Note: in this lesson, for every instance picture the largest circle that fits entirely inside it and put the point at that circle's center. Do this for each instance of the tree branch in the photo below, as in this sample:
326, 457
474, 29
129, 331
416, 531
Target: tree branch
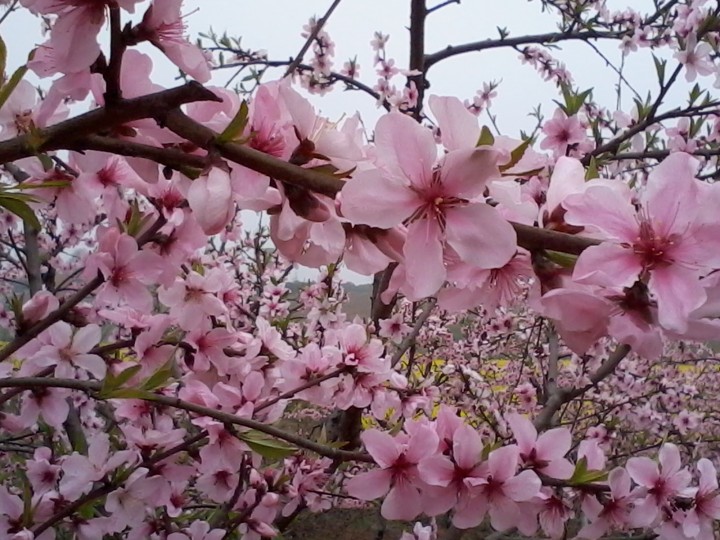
308, 42
539, 39
102, 120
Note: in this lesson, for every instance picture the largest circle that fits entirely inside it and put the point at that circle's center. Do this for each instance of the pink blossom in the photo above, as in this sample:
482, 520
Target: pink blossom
544, 453
192, 300
669, 243
164, 27
198, 530
210, 198
397, 478
498, 489
698, 522
696, 58
613, 512
657, 485
139, 491
126, 268
450, 475
69, 351
562, 133
439, 204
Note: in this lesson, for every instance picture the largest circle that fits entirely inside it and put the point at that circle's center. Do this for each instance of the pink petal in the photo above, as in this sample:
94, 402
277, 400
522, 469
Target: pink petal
458, 126
605, 208
678, 293
708, 475
405, 148
465, 173
670, 196
467, 447
522, 487
425, 271
554, 444
559, 468
669, 459
60, 334
402, 503
643, 471
423, 443
523, 430
470, 513
568, 178
188, 58
503, 462
437, 470
609, 265
86, 338
503, 514
92, 363
381, 446
370, 198
210, 198
480, 235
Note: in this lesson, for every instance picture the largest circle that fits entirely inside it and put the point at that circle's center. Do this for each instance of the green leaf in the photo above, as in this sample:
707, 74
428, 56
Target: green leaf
112, 382
265, 446
516, 155
48, 184
21, 209
159, 378
486, 137
124, 393
10, 85
583, 475
695, 94
236, 126
592, 170
3, 61
660, 69
563, 259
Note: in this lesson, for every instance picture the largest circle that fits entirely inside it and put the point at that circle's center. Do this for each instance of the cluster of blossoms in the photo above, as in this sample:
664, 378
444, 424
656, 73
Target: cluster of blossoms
445, 466
535, 320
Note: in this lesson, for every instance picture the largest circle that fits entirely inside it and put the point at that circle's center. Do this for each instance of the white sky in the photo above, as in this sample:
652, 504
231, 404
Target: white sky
275, 25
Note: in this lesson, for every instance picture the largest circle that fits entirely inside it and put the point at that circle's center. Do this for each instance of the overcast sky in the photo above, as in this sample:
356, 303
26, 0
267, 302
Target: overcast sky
275, 25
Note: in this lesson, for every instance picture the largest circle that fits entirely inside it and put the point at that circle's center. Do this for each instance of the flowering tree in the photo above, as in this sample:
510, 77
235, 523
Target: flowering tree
538, 355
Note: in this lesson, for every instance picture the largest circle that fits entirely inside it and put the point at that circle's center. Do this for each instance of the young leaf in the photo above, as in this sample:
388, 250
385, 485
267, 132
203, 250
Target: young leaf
20, 209
236, 126
10, 85
592, 170
265, 446
159, 378
516, 155
583, 475
112, 382
486, 137
3, 61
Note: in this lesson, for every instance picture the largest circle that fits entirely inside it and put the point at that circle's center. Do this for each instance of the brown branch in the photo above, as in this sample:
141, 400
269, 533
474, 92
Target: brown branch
178, 122
186, 127
418, 12
308, 42
539, 39
332, 77
93, 387
409, 340
102, 120
561, 396
170, 157
113, 92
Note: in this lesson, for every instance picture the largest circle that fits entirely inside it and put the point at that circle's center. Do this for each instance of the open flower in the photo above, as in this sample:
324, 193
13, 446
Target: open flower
440, 205
669, 242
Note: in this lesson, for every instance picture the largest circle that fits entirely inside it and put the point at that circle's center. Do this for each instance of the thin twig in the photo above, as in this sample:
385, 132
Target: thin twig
308, 42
